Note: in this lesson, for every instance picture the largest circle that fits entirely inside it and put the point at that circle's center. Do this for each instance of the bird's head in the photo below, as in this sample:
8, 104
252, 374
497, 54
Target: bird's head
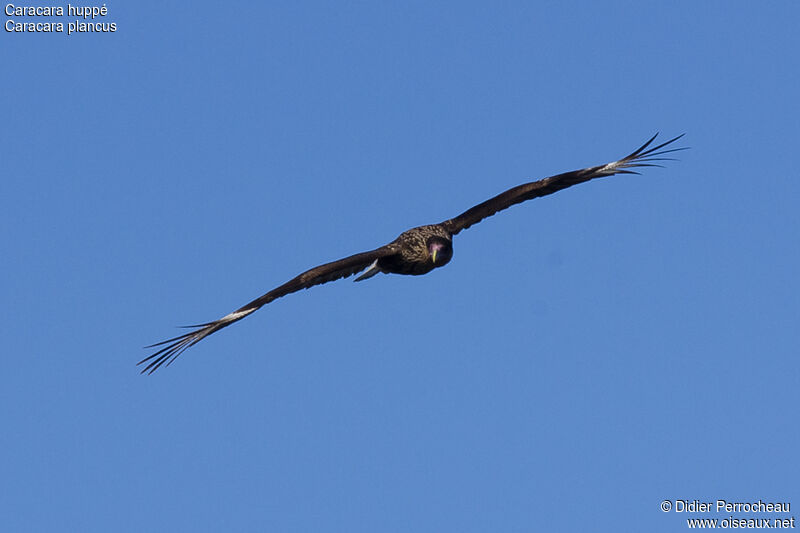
440, 251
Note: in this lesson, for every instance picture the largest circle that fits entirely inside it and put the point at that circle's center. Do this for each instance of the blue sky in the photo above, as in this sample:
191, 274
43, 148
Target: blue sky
582, 358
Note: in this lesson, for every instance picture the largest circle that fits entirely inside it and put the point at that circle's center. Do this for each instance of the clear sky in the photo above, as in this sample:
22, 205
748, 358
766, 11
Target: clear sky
584, 356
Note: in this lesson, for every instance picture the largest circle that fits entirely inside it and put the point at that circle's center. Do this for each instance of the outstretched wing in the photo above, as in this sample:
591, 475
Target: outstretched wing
643, 157
342, 268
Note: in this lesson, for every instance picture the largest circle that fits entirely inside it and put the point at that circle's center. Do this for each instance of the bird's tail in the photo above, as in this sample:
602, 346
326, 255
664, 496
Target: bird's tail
370, 271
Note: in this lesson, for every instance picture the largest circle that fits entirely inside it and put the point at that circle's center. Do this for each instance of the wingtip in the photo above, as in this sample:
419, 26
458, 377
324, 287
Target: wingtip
643, 147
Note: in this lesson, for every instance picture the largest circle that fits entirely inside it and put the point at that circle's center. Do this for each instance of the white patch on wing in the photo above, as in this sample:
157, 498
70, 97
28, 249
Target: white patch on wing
230, 317
610, 166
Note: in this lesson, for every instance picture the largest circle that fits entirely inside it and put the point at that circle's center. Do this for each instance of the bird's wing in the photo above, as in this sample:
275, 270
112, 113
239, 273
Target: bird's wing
342, 268
643, 157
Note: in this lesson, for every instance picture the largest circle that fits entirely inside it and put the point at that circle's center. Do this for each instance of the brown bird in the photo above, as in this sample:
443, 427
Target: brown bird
416, 251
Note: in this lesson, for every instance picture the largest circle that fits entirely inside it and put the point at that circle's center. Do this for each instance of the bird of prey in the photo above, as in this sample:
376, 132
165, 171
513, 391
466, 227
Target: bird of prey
416, 251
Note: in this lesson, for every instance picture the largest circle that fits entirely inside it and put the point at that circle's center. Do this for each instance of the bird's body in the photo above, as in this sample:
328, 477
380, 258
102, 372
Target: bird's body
414, 252
414, 256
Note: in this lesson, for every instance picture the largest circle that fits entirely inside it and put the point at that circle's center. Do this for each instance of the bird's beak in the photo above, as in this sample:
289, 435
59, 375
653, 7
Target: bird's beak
435, 253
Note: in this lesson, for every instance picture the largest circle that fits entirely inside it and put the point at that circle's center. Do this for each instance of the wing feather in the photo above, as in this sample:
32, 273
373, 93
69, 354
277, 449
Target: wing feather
645, 156
172, 348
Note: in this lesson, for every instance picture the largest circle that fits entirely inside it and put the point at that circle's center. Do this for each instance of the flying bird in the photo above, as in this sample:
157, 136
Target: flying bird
416, 251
